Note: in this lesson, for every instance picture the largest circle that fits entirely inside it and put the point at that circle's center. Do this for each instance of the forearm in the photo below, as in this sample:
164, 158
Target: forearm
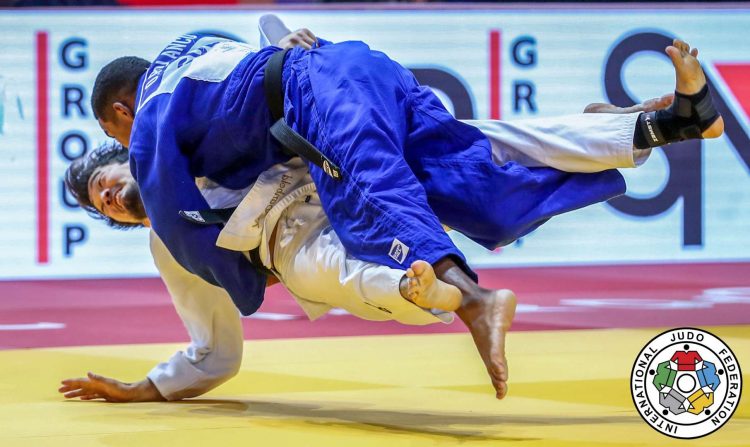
215, 351
183, 376
94, 386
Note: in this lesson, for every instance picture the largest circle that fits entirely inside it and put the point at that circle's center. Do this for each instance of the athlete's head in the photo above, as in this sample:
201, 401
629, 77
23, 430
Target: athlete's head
113, 97
102, 184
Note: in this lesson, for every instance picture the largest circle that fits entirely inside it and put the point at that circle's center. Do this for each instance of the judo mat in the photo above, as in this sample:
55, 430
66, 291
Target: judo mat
568, 388
354, 383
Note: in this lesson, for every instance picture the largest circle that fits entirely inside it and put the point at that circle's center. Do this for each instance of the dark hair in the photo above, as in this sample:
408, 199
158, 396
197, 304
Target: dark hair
117, 80
80, 171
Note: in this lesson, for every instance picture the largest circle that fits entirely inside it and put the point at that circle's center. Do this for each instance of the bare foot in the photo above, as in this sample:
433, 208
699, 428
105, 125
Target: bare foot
646, 106
688, 71
690, 78
425, 290
488, 319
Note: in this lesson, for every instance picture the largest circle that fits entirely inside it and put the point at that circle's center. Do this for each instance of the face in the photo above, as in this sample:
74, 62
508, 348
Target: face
119, 123
114, 192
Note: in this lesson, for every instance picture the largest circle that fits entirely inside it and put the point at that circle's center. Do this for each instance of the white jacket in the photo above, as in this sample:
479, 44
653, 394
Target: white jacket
215, 351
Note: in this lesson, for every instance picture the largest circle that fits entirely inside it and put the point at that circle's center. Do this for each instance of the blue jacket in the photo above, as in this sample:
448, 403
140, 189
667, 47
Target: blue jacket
407, 164
200, 112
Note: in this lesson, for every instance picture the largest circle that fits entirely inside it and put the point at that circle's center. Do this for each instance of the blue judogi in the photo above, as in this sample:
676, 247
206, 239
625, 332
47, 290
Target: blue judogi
407, 164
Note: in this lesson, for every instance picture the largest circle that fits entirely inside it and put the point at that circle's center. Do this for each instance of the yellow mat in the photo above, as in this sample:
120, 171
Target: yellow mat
568, 388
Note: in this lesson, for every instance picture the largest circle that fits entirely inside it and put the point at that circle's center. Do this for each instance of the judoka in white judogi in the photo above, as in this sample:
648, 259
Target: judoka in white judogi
311, 261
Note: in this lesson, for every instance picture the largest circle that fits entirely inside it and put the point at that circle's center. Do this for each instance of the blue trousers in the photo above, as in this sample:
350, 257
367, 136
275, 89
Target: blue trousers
408, 165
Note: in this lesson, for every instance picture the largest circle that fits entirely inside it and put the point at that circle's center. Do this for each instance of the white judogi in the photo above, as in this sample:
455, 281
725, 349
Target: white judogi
309, 259
313, 265
586, 142
213, 324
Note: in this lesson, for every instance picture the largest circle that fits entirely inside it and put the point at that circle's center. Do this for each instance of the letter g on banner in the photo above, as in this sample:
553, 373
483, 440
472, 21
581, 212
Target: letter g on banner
684, 159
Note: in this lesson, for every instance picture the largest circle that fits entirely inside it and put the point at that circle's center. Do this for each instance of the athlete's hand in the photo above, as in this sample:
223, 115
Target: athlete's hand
301, 38
94, 386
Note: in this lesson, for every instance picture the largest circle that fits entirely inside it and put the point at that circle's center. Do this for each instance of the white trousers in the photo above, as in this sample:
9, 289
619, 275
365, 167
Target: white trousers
315, 267
584, 142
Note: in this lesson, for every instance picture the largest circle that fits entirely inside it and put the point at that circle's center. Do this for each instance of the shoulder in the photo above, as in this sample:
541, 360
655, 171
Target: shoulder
194, 56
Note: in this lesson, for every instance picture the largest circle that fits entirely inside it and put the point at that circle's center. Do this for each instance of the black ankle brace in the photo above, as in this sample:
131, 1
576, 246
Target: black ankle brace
685, 119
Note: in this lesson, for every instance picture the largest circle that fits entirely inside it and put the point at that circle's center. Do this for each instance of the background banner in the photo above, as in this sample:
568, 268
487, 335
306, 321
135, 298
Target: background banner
690, 203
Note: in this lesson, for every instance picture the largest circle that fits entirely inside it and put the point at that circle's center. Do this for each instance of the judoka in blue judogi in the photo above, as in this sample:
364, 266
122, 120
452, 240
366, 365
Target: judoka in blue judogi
407, 164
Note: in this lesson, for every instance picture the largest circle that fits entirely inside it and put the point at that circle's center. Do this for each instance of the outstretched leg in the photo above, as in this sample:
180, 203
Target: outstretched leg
488, 314
599, 140
420, 286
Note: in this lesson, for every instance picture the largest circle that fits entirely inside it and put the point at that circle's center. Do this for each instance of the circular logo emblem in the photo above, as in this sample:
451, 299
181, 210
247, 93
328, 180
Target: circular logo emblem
686, 383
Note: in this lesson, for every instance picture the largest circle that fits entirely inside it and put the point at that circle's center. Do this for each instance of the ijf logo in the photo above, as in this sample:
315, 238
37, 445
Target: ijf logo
686, 383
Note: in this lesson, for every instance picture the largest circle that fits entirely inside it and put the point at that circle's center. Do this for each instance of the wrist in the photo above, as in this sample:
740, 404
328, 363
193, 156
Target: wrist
145, 391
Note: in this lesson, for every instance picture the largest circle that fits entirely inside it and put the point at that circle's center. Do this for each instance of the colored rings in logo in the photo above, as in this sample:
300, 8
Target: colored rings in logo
686, 383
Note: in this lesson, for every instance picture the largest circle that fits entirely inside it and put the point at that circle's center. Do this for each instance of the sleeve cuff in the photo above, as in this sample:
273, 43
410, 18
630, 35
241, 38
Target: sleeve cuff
175, 377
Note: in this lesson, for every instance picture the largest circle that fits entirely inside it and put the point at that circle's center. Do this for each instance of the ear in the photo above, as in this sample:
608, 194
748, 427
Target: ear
123, 110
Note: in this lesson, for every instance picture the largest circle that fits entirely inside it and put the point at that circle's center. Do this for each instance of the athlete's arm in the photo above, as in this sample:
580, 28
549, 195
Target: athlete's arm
94, 386
215, 351
274, 32
301, 38
213, 356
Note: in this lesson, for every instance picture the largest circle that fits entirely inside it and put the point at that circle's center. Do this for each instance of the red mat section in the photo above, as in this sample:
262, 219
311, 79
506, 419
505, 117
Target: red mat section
118, 311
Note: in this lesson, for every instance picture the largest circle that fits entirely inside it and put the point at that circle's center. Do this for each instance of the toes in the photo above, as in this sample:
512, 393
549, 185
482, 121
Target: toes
499, 371
419, 267
501, 389
681, 45
414, 288
415, 284
678, 51
674, 55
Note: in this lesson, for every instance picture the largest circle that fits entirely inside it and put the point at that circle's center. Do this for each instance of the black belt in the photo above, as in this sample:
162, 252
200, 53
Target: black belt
290, 140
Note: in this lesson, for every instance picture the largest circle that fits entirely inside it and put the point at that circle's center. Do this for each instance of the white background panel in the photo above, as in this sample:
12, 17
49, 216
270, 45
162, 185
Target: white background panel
571, 51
